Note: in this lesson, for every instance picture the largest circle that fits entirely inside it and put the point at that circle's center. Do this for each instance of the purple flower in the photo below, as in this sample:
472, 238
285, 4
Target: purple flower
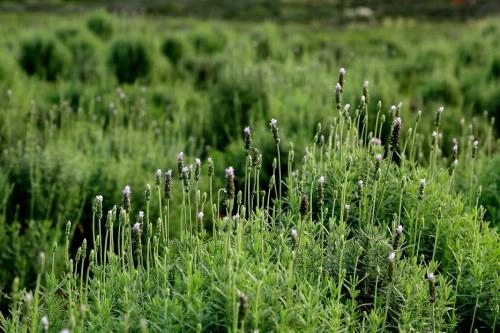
399, 230
229, 172
126, 192
137, 228
180, 156
391, 257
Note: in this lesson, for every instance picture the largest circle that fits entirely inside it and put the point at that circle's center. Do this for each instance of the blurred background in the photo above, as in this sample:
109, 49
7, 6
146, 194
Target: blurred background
331, 10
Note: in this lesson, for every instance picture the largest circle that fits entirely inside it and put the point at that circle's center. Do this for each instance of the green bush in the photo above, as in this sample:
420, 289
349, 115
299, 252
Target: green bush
240, 97
444, 91
83, 48
101, 25
209, 40
204, 70
44, 56
129, 60
174, 49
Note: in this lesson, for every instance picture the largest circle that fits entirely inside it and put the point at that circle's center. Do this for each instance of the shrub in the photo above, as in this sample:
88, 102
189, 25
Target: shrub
174, 49
101, 25
129, 60
208, 40
237, 99
494, 69
205, 70
44, 56
83, 48
445, 91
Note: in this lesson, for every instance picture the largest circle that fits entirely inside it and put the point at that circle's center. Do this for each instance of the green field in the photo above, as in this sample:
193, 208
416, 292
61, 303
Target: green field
356, 204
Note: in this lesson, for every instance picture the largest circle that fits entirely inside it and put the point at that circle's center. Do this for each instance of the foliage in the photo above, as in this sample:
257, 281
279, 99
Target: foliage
129, 59
174, 49
100, 23
303, 245
45, 57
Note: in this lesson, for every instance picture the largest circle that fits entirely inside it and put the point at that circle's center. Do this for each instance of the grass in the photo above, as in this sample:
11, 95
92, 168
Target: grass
328, 216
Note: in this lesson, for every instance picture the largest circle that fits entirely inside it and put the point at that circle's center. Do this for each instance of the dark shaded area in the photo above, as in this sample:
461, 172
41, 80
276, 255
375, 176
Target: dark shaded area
305, 10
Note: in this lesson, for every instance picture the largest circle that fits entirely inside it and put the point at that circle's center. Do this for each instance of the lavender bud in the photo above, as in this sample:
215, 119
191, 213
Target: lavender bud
126, 198
338, 96
247, 137
137, 228
474, 148
378, 162
439, 111
304, 205
321, 190
158, 176
365, 91
147, 192
432, 287
421, 189
243, 307
391, 260
211, 169
342, 72
275, 130
45, 323
186, 175
98, 204
180, 164
394, 143
197, 169
399, 231
295, 237
168, 184
230, 188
